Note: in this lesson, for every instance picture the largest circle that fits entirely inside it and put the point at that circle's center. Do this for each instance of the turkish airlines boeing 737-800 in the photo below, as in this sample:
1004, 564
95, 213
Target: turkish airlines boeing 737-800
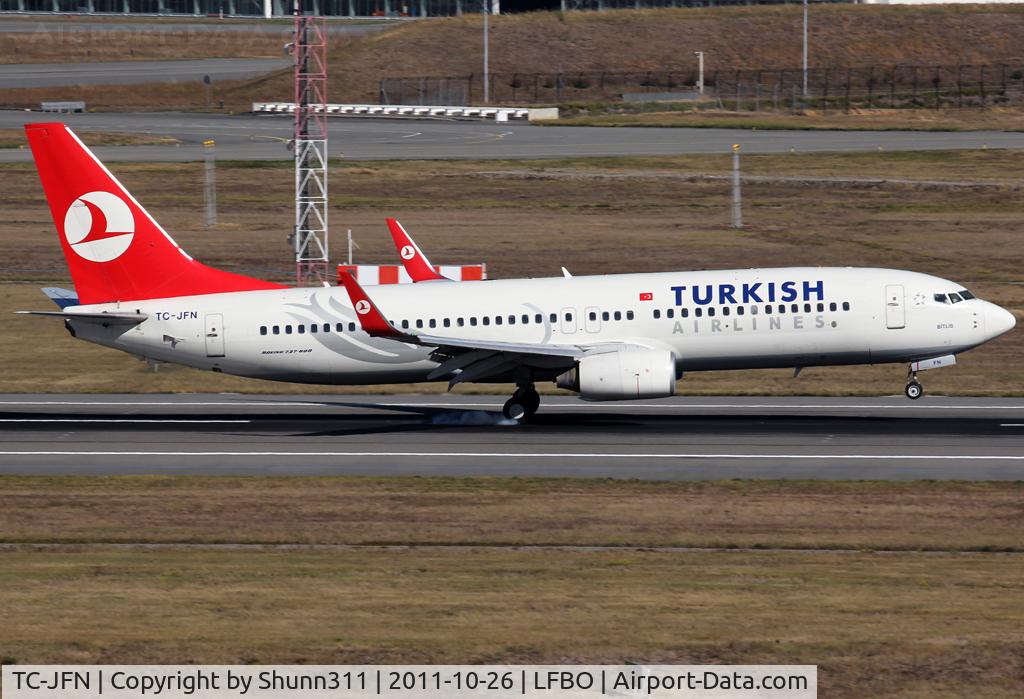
611, 337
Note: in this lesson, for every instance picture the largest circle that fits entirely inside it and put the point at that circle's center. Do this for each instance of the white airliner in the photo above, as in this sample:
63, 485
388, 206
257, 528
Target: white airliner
612, 337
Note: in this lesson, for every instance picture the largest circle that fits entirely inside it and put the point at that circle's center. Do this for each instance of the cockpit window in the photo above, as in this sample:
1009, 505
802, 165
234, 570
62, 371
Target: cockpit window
966, 295
941, 298
955, 298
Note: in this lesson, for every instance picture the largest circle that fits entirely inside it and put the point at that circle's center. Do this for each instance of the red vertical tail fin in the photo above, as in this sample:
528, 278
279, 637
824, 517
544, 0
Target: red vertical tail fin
115, 250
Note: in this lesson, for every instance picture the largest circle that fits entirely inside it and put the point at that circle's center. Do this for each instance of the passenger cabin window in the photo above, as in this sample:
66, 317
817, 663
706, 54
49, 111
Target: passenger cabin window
287, 330
782, 308
553, 318
821, 307
460, 322
670, 313
618, 315
711, 313
433, 322
795, 308
419, 322
629, 315
351, 327
606, 315
277, 329
592, 315
538, 318
313, 327
447, 322
753, 310
768, 310
568, 317
725, 311
740, 310
807, 308
832, 306
698, 312
487, 320
263, 330
846, 305
472, 321
405, 324
327, 327
657, 314
511, 320
684, 312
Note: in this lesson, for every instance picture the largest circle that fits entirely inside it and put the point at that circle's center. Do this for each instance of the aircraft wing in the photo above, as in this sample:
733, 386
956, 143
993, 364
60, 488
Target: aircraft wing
473, 359
416, 263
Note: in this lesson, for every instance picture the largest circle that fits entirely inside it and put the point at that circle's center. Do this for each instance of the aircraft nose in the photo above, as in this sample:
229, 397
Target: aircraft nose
999, 321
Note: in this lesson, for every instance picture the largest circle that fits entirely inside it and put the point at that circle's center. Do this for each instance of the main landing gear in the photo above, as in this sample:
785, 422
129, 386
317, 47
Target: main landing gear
523, 403
914, 389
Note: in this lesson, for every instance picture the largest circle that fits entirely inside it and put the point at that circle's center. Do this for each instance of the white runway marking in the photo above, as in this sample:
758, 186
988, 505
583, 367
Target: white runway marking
527, 455
120, 420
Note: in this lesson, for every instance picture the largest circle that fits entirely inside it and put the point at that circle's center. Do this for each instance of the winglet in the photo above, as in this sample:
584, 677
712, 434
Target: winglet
416, 263
370, 318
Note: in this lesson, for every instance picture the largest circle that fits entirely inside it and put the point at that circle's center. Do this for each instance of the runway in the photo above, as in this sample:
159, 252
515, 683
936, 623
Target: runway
264, 137
691, 438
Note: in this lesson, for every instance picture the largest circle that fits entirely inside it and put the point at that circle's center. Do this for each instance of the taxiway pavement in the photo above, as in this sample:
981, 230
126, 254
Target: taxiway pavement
265, 137
679, 438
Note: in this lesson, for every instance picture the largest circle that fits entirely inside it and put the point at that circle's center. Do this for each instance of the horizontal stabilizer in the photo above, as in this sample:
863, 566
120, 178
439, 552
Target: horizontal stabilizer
106, 318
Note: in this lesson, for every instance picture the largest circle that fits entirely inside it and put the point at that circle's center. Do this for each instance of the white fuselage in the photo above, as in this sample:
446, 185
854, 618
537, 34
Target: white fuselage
728, 319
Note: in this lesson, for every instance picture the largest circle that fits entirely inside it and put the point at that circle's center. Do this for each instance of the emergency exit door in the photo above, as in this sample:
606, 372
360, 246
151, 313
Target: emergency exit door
214, 335
895, 308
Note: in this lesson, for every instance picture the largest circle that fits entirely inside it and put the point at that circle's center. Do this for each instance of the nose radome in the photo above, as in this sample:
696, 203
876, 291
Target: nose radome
999, 321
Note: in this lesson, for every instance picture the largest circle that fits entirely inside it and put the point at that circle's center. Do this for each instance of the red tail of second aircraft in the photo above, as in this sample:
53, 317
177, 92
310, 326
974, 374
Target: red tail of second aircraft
115, 250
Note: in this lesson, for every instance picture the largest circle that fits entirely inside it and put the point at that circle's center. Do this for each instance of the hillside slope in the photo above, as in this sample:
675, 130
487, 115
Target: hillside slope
641, 40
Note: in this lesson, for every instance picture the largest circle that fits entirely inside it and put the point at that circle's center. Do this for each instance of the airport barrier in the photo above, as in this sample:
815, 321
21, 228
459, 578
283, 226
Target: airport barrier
415, 112
369, 275
62, 107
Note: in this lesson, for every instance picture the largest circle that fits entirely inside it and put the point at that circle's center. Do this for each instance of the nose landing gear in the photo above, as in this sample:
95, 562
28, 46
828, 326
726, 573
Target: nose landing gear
523, 404
914, 389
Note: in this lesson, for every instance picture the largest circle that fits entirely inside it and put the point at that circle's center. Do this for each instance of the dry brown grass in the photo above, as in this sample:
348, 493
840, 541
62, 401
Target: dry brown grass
50, 43
619, 41
527, 227
866, 120
895, 625
507, 512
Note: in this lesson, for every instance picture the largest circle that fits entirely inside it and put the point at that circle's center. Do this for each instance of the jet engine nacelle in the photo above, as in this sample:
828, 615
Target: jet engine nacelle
623, 375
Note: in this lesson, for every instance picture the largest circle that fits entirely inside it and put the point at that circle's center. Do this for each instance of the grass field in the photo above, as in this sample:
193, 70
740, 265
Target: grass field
856, 120
592, 215
635, 41
907, 623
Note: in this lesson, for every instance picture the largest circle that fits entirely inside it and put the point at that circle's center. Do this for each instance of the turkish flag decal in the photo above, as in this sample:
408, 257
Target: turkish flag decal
646, 296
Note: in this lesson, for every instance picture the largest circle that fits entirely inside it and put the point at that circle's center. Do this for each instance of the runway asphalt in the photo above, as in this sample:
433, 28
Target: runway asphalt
690, 438
264, 137
53, 26
135, 72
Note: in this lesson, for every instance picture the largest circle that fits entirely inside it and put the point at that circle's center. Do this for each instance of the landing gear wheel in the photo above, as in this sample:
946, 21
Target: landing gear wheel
914, 390
515, 409
523, 404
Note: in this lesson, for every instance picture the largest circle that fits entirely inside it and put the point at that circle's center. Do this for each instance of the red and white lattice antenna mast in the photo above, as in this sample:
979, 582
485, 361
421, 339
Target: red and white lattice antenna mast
310, 51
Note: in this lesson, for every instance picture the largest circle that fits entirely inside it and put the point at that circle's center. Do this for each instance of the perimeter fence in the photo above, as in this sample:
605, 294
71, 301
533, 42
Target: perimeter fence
840, 89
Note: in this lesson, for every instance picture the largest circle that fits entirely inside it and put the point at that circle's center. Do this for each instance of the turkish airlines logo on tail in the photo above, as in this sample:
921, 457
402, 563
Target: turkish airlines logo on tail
99, 226
408, 252
362, 307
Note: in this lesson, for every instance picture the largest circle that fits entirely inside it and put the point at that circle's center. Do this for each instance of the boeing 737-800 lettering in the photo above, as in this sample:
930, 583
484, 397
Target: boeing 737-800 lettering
612, 337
